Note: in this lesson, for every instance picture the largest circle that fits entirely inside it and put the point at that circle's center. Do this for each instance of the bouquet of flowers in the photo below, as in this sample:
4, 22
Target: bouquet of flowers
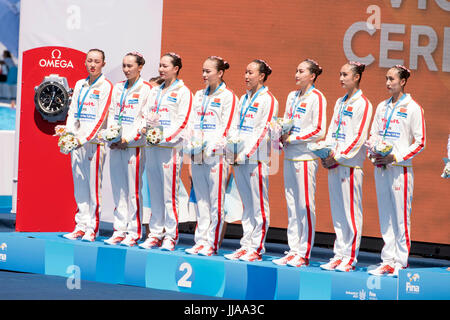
154, 131
285, 124
112, 134
321, 149
275, 135
446, 172
234, 144
59, 131
194, 146
67, 142
383, 148
378, 147
154, 134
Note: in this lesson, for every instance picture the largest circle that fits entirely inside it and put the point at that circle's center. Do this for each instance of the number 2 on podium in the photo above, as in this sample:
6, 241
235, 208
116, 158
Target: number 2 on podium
184, 280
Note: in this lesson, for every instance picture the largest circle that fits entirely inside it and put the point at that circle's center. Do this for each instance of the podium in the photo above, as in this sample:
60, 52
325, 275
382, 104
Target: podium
51, 254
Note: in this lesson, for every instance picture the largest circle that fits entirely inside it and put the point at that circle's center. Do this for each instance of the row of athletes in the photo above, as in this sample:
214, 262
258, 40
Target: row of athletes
216, 112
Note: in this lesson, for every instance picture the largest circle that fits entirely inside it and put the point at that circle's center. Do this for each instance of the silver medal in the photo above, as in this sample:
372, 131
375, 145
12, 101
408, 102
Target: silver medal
77, 124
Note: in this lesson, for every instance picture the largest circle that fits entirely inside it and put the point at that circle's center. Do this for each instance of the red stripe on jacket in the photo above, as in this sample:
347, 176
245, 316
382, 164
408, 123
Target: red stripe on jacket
361, 128
103, 116
319, 123
231, 114
253, 150
422, 143
183, 125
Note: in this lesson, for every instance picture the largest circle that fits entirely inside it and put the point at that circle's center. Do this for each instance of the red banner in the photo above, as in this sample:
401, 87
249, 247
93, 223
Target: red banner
45, 200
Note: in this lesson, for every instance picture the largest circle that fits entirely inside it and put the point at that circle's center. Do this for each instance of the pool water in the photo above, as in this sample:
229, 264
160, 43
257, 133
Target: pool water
7, 118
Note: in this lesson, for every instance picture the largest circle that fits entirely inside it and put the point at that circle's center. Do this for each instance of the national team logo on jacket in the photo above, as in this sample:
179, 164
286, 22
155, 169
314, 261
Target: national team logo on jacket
135, 95
348, 111
216, 103
302, 107
95, 94
172, 97
403, 112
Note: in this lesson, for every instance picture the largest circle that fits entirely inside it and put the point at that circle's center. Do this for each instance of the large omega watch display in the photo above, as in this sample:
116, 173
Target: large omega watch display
52, 98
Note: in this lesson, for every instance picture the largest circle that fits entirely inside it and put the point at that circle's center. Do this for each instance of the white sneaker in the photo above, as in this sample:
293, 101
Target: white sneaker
397, 268
251, 256
74, 235
168, 244
207, 251
284, 260
150, 242
382, 269
195, 249
89, 236
129, 241
345, 267
115, 239
332, 264
236, 254
298, 262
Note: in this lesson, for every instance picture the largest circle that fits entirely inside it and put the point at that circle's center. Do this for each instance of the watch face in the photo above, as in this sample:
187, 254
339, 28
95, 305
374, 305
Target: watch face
51, 98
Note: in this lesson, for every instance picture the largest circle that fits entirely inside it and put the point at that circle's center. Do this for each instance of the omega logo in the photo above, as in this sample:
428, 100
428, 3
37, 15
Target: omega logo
57, 52
55, 61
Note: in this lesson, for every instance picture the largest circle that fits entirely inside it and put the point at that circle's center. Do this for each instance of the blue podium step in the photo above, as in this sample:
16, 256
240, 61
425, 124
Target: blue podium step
51, 254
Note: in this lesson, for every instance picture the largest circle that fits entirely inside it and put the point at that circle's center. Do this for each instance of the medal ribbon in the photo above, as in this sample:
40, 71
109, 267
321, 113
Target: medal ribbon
205, 106
123, 98
242, 115
388, 121
80, 104
294, 105
158, 98
341, 110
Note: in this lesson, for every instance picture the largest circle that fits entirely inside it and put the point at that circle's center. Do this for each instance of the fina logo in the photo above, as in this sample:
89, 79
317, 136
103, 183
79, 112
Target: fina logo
412, 285
55, 61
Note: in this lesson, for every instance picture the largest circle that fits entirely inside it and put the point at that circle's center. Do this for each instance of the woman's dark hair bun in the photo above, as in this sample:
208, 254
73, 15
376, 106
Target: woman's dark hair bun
263, 67
221, 63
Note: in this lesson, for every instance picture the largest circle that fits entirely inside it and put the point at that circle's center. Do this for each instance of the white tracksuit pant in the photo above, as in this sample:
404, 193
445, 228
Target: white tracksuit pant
300, 188
163, 173
87, 170
345, 189
252, 182
394, 187
126, 167
210, 186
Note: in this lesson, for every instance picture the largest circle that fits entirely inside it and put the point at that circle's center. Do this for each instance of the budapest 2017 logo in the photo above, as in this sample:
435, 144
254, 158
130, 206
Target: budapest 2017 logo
55, 61
3, 248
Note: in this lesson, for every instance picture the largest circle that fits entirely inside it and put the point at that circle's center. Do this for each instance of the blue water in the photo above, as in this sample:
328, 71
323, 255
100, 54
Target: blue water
7, 118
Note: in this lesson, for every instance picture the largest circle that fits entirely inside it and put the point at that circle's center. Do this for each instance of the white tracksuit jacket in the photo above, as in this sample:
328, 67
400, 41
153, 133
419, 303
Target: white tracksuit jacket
127, 165
87, 161
211, 120
394, 184
252, 178
345, 181
300, 167
163, 164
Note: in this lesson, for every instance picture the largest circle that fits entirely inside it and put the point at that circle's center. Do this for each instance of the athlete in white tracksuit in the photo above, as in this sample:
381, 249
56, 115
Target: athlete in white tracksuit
307, 108
212, 114
172, 100
348, 131
127, 159
251, 124
86, 116
401, 124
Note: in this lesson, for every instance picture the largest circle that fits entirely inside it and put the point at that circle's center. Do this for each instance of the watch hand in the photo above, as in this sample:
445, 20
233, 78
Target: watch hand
53, 98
